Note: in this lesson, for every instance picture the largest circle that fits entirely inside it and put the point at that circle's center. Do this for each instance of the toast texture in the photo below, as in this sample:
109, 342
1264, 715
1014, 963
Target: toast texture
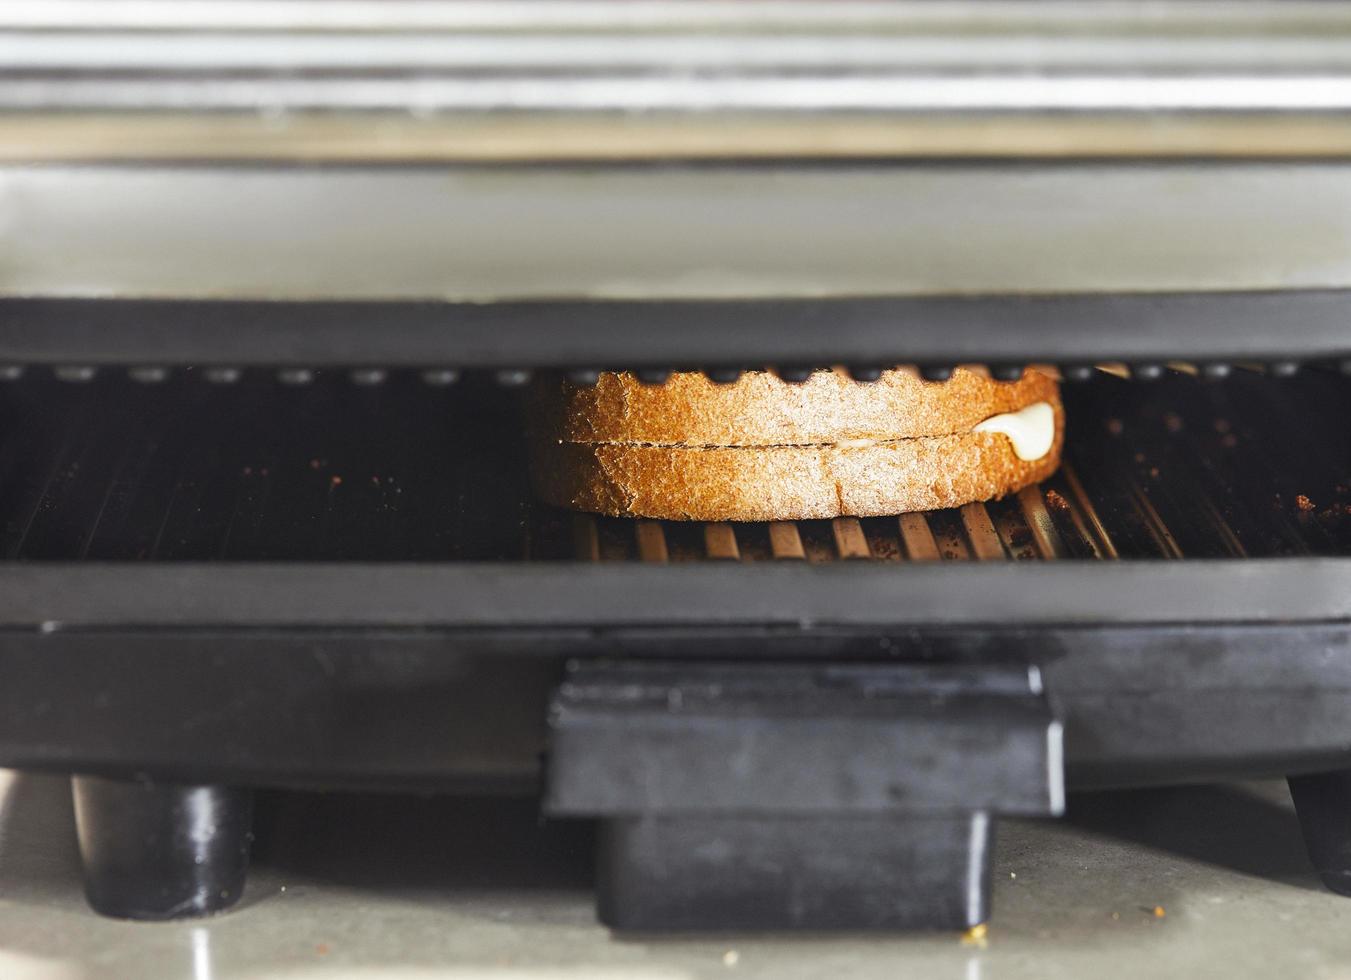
760, 409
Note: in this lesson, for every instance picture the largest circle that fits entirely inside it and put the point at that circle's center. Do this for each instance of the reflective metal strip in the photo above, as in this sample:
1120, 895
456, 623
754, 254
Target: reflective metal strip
715, 232
1306, 92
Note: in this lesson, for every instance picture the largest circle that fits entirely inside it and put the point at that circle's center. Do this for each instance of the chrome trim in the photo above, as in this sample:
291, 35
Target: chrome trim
487, 233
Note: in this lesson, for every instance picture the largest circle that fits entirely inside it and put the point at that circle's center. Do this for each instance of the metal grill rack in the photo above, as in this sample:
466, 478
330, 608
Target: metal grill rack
112, 470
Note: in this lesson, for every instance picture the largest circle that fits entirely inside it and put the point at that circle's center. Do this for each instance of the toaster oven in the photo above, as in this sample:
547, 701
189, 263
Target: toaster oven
264, 334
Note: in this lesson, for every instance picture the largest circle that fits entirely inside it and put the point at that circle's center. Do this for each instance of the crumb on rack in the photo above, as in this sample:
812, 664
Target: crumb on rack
1053, 499
1304, 503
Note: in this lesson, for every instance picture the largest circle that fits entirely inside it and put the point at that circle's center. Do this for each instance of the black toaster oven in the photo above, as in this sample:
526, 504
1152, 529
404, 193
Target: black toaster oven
276, 275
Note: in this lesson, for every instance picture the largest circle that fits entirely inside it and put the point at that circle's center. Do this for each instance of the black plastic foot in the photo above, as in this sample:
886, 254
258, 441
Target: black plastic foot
1323, 802
162, 850
830, 872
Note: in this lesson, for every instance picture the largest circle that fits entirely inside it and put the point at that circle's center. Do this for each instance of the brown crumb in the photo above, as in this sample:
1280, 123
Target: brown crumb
321, 949
1304, 503
1139, 457
1159, 912
1115, 427
1222, 425
1229, 440
1057, 502
1172, 422
1154, 472
335, 481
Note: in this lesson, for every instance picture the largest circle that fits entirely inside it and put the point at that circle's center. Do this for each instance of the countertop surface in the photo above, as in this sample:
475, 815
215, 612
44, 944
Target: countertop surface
1194, 881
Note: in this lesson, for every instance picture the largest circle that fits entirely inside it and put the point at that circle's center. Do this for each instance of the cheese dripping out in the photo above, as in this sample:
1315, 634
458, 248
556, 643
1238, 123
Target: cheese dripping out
1031, 430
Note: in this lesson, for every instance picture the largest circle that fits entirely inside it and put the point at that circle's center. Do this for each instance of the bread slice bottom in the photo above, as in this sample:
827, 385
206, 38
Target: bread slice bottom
773, 483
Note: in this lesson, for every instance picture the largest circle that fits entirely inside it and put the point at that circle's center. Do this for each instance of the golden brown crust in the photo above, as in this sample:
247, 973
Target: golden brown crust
785, 482
709, 466
762, 410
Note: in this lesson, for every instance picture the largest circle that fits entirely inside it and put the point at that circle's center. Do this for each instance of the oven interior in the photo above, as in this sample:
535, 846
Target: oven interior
333, 466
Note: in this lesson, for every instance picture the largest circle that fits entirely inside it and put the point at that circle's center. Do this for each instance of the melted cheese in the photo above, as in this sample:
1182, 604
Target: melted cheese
1031, 430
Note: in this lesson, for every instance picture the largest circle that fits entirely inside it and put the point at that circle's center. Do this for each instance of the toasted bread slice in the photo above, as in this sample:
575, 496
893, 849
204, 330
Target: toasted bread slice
762, 450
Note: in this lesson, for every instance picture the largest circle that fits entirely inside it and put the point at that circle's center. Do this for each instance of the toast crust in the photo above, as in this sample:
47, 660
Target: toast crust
761, 409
